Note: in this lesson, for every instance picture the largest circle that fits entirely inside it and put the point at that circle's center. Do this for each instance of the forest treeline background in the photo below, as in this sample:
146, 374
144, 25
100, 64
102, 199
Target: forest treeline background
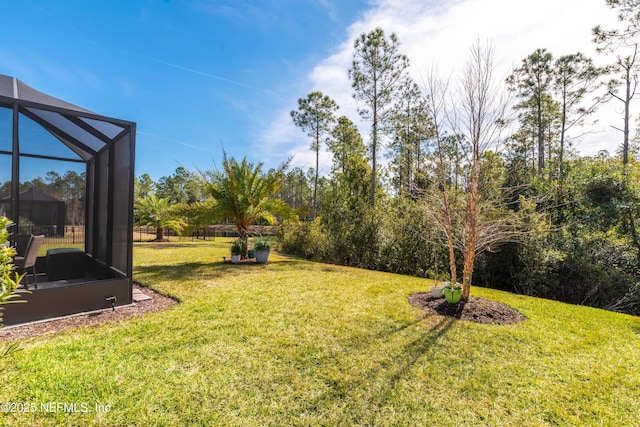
472, 178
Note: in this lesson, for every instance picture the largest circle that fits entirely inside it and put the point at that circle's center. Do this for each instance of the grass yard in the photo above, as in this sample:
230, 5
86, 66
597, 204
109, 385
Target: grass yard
299, 343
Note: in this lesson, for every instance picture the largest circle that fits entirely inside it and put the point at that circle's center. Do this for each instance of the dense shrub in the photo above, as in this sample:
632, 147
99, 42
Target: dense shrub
578, 267
407, 245
398, 240
306, 239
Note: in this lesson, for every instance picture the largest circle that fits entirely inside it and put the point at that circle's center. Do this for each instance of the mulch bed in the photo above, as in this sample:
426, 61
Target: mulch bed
245, 261
157, 302
477, 310
242, 261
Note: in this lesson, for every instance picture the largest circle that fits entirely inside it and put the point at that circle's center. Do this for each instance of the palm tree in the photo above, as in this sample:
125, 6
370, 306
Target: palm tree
244, 194
156, 212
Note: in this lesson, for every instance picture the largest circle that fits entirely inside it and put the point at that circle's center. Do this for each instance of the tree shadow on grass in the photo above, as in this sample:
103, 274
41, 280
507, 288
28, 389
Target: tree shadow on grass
401, 366
163, 245
204, 270
635, 328
382, 380
196, 270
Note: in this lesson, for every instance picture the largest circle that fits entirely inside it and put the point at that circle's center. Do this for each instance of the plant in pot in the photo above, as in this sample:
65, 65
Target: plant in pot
237, 249
440, 283
262, 247
452, 292
437, 289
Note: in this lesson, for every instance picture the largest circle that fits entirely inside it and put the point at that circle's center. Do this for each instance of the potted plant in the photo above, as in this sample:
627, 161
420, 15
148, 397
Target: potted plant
452, 293
436, 290
237, 249
262, 248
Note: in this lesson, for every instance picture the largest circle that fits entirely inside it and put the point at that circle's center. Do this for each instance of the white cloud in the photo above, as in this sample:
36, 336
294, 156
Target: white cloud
442, 33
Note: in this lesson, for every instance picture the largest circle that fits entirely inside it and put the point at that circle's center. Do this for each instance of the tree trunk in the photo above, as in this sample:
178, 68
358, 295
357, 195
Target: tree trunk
315, 184
452, 253
472, 219
540, 139
447, 212
560, 201
159, 234
374, 143
627, 101
244, 235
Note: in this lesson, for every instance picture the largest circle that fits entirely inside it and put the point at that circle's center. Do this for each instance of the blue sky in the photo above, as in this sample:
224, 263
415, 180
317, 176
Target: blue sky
194, 75
197, 75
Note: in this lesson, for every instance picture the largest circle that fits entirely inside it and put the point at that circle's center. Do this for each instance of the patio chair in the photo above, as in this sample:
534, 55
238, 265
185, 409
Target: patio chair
22, 263
21, 241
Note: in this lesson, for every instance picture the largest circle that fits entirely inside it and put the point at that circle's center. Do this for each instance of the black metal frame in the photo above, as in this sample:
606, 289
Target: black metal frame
109, 196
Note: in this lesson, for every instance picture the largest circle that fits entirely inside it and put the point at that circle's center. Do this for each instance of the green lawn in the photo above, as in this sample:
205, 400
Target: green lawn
298, 343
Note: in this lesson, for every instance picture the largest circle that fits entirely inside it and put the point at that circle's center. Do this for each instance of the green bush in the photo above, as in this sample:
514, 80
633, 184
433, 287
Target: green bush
408, 243
8, 282
579, 267
398, 240
306, 239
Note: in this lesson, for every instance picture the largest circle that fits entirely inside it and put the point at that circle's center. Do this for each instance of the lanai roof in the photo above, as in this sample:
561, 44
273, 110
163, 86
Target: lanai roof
83, 131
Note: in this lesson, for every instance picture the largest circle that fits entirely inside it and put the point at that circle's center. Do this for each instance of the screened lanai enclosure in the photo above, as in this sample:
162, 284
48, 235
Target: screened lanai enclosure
65, 168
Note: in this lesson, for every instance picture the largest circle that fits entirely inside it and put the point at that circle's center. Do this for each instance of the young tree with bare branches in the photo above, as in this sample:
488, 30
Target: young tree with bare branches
482, 118
476, 217
435, 93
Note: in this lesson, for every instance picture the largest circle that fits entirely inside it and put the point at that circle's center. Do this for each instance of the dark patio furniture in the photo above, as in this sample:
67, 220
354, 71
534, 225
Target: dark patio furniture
66, 264
23, 263
20, 243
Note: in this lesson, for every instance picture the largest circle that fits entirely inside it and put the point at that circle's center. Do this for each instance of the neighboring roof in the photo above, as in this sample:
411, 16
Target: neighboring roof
82, 131
34, 196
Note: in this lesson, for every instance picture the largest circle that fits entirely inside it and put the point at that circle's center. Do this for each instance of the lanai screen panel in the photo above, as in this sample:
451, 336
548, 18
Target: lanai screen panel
102, 205
122, 212
6, 126
90, 221
6, 120
110, 130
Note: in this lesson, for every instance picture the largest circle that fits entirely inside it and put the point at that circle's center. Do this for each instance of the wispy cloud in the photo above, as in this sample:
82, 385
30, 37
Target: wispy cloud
330, 8
207, 74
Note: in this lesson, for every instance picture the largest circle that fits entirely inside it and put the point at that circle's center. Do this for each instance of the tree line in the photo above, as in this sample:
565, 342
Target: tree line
68, 187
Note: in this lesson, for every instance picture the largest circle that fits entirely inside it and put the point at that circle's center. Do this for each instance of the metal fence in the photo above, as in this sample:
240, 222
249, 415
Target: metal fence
73, 235
70, 235
142, 234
